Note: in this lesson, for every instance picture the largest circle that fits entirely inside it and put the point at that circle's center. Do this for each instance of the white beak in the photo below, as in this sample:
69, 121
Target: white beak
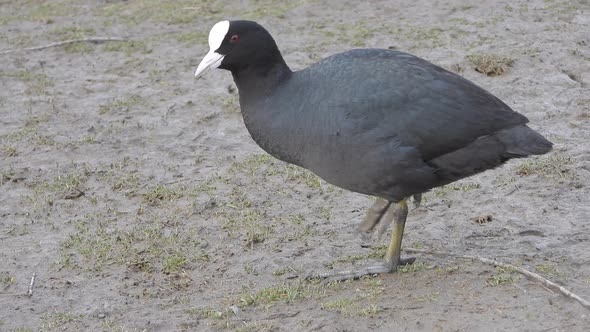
211, 61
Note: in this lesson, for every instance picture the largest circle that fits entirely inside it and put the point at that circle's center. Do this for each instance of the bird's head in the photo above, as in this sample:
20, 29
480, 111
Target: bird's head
234, 45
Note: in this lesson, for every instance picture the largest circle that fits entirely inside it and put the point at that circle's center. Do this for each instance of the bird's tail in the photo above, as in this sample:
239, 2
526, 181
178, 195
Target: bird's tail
522, 141
489, 152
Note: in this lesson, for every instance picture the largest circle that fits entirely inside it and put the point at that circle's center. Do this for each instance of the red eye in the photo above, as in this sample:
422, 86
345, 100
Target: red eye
234, 38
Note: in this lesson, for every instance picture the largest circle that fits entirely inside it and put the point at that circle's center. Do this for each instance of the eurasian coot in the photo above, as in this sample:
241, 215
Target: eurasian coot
373, 121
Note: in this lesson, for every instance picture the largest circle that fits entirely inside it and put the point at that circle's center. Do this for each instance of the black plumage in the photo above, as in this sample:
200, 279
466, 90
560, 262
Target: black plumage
373, 121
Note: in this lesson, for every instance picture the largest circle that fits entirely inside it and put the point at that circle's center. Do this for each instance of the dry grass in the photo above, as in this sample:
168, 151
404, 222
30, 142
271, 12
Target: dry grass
556, 165
490, 64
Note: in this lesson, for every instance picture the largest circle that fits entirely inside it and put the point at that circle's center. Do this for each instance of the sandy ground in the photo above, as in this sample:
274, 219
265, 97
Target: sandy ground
139, 200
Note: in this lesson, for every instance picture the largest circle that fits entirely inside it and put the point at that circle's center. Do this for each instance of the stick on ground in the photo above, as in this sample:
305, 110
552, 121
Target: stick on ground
545, 282
32, 284
65, 42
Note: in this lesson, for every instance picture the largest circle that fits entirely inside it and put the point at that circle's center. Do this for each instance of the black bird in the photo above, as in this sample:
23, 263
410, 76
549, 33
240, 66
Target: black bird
373, 121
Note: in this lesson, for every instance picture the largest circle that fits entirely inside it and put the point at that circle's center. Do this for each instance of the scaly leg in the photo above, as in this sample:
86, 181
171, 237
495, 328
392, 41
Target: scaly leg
392, 257
374, 215
417, 200
400, 214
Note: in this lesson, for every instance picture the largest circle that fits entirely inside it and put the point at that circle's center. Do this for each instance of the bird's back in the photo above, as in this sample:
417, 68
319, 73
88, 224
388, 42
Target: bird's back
371, 119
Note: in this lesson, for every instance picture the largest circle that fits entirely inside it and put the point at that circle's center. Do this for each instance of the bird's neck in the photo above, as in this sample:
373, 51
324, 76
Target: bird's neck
256, 82
256, 85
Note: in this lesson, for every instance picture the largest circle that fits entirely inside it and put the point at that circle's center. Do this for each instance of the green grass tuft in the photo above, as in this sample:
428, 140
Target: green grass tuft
503, 276
161, 194
122, 105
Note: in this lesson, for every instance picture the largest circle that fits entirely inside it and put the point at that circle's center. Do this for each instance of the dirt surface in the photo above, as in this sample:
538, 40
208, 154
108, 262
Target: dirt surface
139, 200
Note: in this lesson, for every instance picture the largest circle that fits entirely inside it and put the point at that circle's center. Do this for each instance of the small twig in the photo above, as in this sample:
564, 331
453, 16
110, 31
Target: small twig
66, 42
512, 191
545, 282
32, 284
183, 179
557, 328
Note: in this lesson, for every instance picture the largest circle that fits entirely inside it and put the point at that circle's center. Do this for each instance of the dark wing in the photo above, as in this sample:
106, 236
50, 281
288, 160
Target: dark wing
420, 104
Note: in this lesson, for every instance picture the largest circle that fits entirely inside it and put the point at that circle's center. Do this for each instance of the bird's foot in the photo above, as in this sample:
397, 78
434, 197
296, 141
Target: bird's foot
367, 270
